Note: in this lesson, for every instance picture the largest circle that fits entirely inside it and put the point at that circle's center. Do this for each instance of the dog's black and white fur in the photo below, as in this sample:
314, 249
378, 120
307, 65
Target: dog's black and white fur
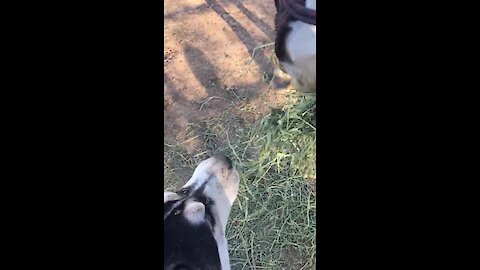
295, 48
195, 218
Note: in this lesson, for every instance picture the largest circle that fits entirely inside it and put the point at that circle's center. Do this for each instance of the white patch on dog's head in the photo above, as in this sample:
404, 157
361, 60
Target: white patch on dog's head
206, 198
222, 182
194, 212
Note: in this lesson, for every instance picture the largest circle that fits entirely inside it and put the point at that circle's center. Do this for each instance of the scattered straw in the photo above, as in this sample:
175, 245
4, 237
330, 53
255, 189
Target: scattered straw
208, 99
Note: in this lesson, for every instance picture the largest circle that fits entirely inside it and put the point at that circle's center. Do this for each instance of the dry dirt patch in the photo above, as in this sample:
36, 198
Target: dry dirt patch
208, 65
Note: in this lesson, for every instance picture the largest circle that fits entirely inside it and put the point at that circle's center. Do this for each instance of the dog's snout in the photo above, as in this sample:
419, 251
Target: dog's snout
228, 162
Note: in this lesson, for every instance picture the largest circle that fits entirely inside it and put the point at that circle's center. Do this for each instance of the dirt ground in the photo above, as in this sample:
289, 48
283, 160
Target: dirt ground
208, 68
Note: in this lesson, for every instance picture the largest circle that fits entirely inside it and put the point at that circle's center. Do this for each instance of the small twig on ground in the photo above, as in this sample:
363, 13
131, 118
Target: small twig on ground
208, 99
193, 138
307, 111
232, 89
259, 47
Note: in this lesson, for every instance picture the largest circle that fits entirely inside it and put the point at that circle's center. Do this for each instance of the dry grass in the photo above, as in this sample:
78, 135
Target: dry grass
273, 221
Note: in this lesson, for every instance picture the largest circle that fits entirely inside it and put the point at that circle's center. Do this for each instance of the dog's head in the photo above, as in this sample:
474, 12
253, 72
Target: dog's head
195, 218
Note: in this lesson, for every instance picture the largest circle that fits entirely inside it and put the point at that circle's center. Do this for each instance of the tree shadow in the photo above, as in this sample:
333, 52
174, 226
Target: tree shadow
263, 26
244, 36
190, 11
205, 72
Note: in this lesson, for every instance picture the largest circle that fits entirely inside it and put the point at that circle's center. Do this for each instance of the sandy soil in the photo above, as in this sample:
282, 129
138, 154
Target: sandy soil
208, 64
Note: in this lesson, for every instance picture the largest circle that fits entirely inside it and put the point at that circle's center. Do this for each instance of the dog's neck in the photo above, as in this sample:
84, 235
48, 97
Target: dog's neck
311, 4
